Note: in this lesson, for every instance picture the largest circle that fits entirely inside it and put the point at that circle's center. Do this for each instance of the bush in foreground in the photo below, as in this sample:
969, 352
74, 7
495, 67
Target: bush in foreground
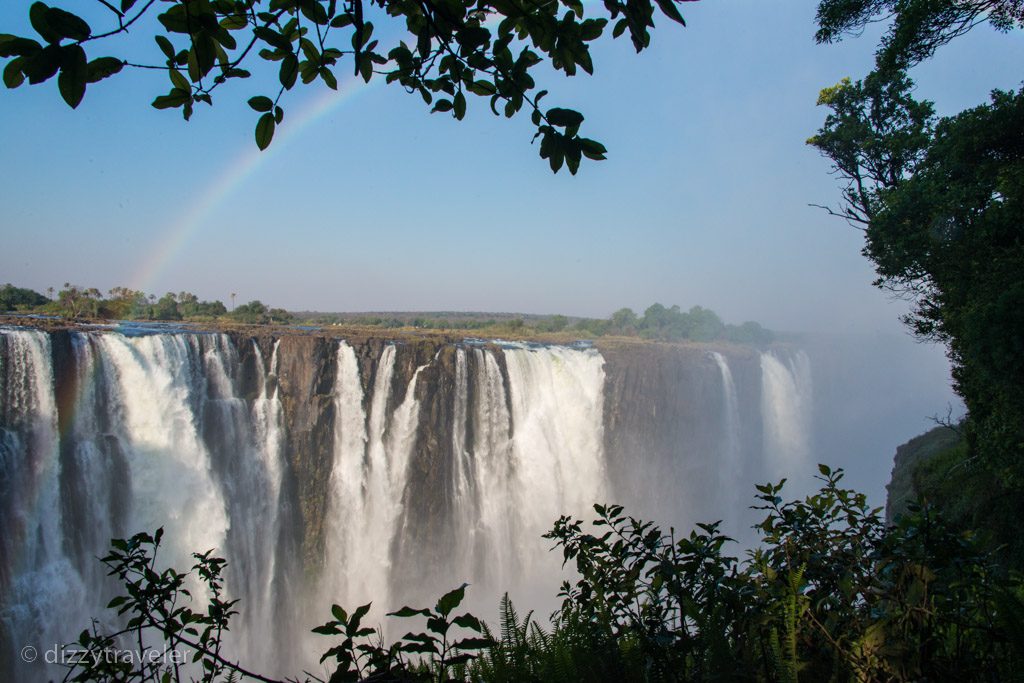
831, 593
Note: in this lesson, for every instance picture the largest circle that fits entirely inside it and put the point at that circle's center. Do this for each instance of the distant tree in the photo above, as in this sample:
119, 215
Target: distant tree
279, 316
123, 302
187, 303
254, 312
16, 298
704, 325
656, 319
166, 308
554, 323
624, 321
441, 51
748, 333
76, 301
208, 309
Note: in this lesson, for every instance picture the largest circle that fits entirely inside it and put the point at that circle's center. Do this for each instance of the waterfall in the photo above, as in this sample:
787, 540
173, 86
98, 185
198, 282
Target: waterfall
492, 532
786, 411
386, 479
348, 479
158, 384
731, 466
371, 454
557, 446
38, 585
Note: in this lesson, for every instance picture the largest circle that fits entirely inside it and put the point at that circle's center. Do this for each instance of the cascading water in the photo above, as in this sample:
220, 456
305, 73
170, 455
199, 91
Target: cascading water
367, 481
786, 410
202, 434
731, 455
37, 582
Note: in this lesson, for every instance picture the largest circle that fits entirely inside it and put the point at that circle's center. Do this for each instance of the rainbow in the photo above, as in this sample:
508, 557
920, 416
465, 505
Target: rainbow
233, 176
241, 169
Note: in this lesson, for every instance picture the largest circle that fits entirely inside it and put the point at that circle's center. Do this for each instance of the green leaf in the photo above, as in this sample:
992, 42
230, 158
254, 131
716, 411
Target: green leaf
339, 613
669, 9
73, 74
265, 131
67, 24
165, 46
314, 11
468, 621
205, 52
459, 105
103, 67
43, 64
592, 149
329, 78
591, 29
175, 98
406, 612
278, 114
357, 617
273, 38
13, 76
482, 88
14, 46
37, 15
127, 5
289, 71
451, 600
261, 103
178, 81
341, 21
234, 22
566, 118
473, 643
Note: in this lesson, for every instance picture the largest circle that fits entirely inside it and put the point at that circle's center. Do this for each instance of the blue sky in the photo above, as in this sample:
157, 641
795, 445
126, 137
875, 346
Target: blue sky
377, 205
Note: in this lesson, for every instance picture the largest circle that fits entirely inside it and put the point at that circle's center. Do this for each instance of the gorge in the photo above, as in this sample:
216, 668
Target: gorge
348, 470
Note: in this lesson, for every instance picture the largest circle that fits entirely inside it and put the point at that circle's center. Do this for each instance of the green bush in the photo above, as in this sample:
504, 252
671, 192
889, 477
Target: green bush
831, 593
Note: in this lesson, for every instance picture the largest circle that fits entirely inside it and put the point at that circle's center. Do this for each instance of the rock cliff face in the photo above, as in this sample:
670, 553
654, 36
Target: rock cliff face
901, 489
666, 427
332, 470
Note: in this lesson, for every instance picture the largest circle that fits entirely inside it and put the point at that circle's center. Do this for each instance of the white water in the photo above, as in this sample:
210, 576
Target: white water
42, 587
786, 411
155, 385
371, 455
729, 470
558, 444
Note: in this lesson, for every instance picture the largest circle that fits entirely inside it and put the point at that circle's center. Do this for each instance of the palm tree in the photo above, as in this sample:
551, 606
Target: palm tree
233, 295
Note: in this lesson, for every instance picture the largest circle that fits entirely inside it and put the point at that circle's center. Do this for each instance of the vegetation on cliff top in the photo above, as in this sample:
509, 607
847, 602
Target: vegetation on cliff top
122, 303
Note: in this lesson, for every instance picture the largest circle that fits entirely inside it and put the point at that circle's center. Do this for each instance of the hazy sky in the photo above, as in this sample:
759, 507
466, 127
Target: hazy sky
377, 205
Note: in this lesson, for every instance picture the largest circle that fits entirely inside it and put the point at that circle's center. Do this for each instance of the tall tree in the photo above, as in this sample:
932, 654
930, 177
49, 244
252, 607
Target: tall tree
941, 202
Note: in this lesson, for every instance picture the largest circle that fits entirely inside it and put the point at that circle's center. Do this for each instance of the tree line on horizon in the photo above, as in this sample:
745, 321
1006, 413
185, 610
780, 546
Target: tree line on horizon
658, 322
123, 303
